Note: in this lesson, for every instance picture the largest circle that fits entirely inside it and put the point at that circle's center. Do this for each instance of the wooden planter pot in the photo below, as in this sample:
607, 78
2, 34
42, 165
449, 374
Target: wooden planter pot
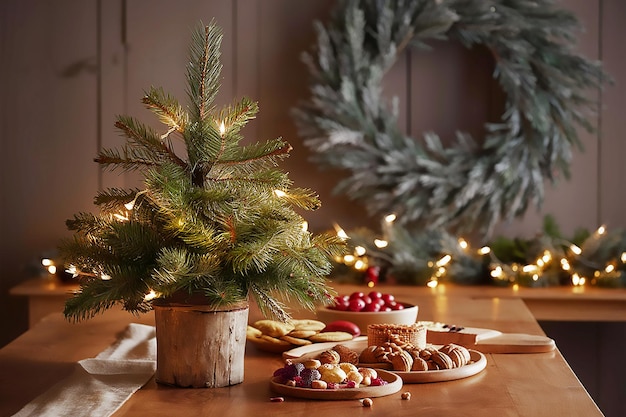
198, 346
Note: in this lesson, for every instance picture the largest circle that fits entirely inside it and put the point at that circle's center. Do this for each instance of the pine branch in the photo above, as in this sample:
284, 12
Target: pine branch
114, 198
257, 156
150, 143
204, 70
237, 115
167, 108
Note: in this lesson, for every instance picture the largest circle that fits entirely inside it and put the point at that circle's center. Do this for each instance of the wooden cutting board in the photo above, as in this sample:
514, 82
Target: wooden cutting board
487, 340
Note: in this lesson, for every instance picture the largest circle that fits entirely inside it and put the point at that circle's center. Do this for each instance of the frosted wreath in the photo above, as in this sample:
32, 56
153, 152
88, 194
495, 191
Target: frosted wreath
473, 184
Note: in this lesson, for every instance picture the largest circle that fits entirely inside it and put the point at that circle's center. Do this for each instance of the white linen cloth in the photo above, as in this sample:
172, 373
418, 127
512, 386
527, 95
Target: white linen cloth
99, 386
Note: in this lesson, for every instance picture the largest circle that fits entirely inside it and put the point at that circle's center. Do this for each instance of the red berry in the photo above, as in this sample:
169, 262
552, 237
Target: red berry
375, 295
356, 304
398, 306
388, 298
372, 307
355, 295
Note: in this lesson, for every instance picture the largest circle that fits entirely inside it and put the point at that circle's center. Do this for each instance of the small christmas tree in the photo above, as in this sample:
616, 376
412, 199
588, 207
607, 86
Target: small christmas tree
217, 223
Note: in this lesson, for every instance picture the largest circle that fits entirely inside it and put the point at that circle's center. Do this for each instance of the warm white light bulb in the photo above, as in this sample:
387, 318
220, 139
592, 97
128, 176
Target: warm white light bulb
484, 250
496, 272
280, 193
340, 232
575, 249
380, 243
222, 129
348, 259
444, 261
46, 262
359, 250
390, 218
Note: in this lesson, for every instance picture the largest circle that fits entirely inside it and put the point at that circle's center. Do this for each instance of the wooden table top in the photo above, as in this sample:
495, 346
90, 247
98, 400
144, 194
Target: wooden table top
540, 384
556, 303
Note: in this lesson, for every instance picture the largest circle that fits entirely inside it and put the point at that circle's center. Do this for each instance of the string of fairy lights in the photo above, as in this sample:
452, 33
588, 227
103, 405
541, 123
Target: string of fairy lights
366, 261
559, 262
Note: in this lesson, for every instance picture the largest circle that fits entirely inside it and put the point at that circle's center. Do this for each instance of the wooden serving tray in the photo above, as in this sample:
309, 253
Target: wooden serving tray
487, 340
394, 384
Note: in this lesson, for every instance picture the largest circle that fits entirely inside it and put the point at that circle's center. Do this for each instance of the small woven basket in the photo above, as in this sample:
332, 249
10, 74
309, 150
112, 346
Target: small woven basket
400, 334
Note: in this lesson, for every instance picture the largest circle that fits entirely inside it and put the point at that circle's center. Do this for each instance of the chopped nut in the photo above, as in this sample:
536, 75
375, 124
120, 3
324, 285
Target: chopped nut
406, 395
367, 402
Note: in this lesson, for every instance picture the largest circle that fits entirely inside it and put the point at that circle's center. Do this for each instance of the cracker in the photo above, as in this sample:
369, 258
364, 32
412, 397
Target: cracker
331, 337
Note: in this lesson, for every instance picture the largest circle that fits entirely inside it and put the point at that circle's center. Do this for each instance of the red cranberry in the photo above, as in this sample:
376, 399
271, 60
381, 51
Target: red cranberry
356, 304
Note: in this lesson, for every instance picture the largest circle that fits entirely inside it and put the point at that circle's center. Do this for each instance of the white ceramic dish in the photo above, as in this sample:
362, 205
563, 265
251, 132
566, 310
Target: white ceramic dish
408, 315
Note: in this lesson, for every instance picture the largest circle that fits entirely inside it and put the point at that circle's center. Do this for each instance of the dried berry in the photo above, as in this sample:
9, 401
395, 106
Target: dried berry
332, 385
351, 384
289, 371
376, 382
307, 375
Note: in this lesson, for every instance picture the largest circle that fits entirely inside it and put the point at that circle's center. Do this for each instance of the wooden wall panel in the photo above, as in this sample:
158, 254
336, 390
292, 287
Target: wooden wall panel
282, 83
111, 82
47, 133
612, 196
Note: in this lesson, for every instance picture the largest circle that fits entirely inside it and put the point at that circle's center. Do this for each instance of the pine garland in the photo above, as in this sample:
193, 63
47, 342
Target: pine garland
218, 221
472, 185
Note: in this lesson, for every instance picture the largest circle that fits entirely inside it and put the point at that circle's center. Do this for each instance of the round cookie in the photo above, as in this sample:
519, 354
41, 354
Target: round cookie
308, 324
296, 341
273, 328
331, 337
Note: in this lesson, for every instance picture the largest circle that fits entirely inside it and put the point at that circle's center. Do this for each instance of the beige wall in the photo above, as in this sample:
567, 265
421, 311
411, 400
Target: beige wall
56, 109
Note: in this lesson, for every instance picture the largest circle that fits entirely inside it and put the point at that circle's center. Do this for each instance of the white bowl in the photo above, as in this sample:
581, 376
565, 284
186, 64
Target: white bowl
408, 315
